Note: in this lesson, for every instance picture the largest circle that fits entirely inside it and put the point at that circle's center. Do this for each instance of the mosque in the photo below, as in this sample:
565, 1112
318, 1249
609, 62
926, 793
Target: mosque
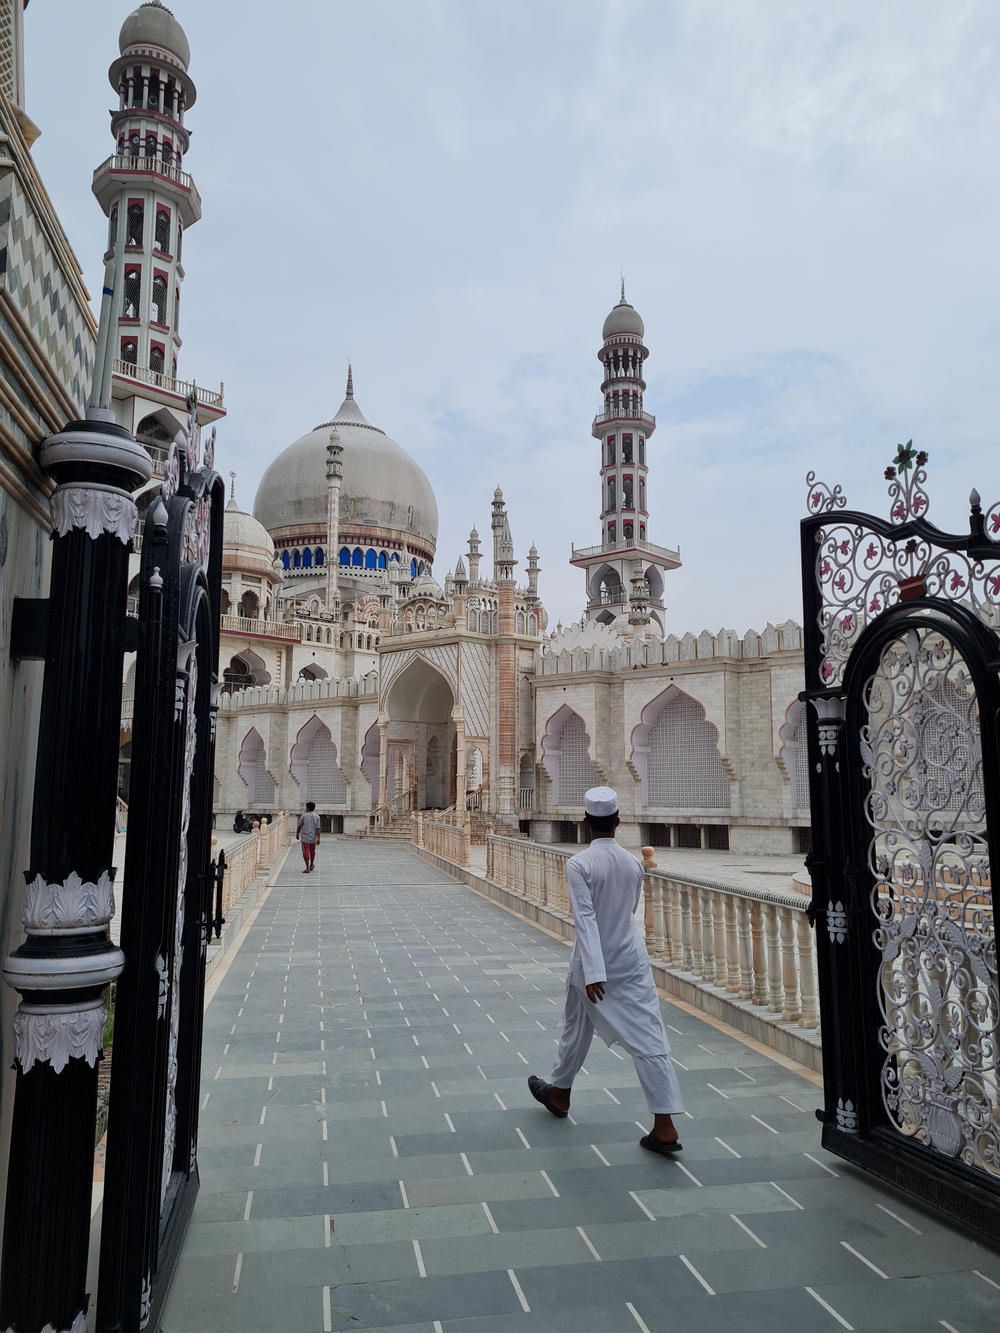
353, 678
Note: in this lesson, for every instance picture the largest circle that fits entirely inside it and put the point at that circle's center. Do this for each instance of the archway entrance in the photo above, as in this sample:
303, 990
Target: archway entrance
420, 744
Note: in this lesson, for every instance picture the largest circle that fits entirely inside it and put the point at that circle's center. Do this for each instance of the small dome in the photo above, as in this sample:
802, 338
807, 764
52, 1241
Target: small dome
152, 24
426, 585
242, 535
624, 318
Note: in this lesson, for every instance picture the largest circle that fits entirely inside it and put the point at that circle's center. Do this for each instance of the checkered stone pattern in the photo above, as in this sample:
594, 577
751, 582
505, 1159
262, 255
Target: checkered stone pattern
31, 271
371, 1158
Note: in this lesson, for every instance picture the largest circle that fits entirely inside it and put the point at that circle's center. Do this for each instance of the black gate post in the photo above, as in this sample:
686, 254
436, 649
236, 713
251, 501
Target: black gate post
67, 959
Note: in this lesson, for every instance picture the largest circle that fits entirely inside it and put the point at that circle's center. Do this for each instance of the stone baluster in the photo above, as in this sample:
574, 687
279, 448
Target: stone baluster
773, 963
743, 912
648, 864
707, 935
807, 975
759, 953
697, 956
719, 925
655, 891
790, 1007
684, 932
732, 948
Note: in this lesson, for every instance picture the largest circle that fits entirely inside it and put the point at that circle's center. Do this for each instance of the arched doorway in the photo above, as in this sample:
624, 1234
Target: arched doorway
421, 736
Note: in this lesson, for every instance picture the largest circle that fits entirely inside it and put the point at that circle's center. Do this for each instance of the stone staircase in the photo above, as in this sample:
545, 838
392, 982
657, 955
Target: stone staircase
399, 829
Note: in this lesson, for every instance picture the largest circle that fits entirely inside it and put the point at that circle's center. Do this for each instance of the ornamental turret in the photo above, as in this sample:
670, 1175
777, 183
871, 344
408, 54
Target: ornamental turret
147, 196
626, 560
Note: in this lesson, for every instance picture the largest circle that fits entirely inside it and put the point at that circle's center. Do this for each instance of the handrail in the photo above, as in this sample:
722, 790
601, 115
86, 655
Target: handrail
270, 629
403, 803
452, 841
149, 165
158, 380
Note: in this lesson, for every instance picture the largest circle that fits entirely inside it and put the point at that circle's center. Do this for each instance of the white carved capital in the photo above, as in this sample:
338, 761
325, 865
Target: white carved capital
96, 509
58, 1037
74, 905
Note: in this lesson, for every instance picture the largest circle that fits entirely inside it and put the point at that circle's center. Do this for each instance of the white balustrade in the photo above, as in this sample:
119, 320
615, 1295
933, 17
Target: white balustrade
754, 944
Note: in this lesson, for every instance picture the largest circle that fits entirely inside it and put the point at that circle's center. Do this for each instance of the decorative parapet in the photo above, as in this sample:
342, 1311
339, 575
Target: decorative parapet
724, 645
313, 691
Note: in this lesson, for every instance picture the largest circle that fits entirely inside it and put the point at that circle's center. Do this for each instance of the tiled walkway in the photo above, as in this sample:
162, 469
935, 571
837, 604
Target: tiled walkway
371, 1158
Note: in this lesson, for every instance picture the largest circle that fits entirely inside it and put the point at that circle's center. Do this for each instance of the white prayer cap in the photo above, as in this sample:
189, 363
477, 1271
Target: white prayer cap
601, 801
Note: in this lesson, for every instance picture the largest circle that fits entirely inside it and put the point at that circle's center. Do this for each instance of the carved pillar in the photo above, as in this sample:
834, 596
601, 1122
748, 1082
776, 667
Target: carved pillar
66, 961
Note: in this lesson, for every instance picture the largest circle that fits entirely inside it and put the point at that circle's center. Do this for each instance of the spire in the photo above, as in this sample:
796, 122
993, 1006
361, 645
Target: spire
623, 301
232, 505
350, 381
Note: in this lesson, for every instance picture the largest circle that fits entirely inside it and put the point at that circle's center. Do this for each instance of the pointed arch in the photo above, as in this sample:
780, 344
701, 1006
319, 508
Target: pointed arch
675, 752
313, 765
245, 669
251, 766
566, 757
795, 753
371, 749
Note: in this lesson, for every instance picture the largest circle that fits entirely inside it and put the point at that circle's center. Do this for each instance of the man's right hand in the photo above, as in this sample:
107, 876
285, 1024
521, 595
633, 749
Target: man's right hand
595, 991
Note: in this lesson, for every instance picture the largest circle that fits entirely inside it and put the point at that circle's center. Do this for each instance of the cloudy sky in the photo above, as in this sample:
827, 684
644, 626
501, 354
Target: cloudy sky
803, 198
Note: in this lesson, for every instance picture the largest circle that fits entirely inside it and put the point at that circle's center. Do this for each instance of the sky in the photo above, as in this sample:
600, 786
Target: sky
802, 197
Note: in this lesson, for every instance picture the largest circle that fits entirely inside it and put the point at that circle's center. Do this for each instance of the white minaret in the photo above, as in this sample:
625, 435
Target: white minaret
626, 561
147, 196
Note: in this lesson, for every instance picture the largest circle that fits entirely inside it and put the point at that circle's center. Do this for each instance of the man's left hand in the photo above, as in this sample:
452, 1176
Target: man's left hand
595, 991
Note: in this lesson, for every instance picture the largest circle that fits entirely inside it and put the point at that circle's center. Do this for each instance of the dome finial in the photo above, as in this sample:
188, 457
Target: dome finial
623, 289
232, 492
350, 381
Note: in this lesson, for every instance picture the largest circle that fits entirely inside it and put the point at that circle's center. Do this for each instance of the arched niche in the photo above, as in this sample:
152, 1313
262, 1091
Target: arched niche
675, 752
795, 753
566, 757
313, 765
370, 751
252, 768
419, 706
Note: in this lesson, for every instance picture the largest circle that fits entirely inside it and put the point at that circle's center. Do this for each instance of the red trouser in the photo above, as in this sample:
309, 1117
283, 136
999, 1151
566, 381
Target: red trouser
308, 852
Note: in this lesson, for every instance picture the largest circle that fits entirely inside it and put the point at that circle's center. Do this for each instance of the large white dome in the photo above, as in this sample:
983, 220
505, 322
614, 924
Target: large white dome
383, 487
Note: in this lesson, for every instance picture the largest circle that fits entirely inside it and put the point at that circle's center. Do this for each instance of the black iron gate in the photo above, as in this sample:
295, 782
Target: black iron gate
902, 658
151, 1171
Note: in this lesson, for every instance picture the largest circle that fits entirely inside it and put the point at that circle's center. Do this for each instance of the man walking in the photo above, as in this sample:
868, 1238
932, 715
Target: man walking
308, 830
609, 987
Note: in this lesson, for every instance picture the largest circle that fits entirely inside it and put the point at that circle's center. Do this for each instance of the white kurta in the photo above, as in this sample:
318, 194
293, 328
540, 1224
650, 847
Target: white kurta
605, 883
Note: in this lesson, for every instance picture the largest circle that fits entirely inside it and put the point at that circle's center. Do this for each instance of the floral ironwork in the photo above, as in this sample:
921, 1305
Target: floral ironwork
861, 570
937, 985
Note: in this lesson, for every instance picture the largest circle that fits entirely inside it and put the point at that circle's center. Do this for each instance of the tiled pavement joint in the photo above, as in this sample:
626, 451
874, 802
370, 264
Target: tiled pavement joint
370, 1156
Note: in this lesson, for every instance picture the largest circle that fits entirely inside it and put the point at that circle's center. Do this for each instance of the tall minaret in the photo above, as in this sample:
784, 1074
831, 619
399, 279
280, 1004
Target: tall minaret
147, 196
626, 559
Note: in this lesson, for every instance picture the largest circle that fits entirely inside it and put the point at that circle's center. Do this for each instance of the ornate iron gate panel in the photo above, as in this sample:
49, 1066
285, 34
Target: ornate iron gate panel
152, 1172
902, 662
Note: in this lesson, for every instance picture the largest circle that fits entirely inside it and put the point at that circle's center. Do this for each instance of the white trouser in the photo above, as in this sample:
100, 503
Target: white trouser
657, 1075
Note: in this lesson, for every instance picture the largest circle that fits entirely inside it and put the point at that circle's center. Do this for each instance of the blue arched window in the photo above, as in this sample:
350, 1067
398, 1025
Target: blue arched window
307, 558
286, 560
413, 569
318, 557
358, 558
370, 560
345, 556
296, 560
381, 560
395, 557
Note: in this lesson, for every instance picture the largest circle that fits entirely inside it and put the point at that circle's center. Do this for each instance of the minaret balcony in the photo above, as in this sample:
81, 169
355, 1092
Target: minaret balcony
129, 380
626, 415
583, 555
107, 182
